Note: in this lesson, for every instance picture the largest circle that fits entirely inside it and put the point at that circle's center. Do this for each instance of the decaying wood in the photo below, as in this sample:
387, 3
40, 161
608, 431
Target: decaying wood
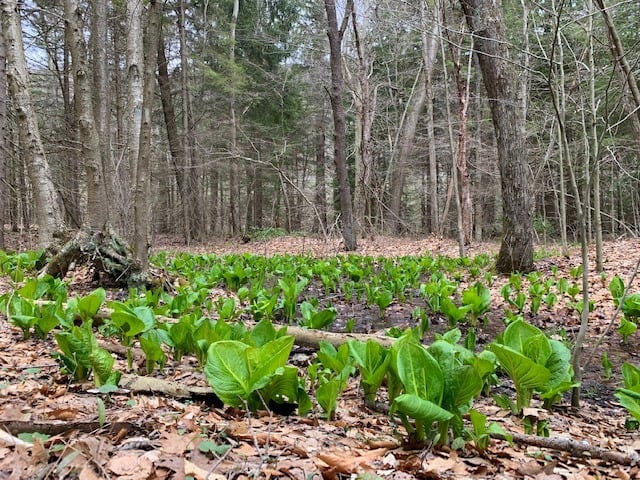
575, 448
104, 252
312, 338
58, 427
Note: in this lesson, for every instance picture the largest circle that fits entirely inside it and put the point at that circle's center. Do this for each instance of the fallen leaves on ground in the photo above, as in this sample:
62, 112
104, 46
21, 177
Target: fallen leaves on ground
155, 436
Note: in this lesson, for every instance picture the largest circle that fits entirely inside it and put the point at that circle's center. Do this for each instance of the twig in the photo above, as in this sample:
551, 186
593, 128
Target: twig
573, 447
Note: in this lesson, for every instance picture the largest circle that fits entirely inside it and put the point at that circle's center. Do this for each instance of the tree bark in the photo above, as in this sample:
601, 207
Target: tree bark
142, 200
176, 146
3, 123
485, 21
335, 34
48, 206
96, 214
135, 87
101, 95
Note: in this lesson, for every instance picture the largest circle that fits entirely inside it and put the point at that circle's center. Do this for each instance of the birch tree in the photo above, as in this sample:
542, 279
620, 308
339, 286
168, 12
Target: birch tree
48, 206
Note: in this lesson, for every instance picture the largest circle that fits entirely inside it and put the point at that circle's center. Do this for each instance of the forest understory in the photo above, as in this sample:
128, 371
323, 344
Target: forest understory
167, 433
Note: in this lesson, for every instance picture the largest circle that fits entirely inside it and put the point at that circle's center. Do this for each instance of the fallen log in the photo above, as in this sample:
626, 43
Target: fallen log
573, 447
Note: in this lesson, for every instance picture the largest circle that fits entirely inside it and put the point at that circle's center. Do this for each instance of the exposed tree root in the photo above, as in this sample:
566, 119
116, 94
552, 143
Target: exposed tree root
103, 251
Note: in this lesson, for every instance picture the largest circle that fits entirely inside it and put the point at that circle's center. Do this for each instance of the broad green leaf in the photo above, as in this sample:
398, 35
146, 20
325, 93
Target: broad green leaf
89, 305
266, 360
631, 375
102, 365
227, 371
630, 400
418, 371
616, 287
262, 333
420, 409
525, 373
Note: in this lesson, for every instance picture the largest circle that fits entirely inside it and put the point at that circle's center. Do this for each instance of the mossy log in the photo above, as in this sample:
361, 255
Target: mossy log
105, 253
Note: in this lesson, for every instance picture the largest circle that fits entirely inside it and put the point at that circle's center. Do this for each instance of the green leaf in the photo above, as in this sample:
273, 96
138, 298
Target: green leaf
630, 375
228, 371
616, 287
525, 373
418, 371
89, 305
102, 365
420, 409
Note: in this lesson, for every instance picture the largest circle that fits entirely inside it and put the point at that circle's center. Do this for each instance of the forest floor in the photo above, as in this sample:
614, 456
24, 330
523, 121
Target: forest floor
151, 436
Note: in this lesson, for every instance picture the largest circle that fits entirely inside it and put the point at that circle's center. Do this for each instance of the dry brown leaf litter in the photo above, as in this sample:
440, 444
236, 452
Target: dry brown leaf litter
154, 437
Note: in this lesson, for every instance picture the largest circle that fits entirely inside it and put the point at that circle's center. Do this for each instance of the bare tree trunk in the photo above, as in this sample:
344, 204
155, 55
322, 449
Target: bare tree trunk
320, 220
96, 216
176, 147
234, 171
595, 142
463, 183
485, 21
335, 34
429, 50
48, 206
194, 170
101, 95
364, 99
398, 167
142, 201
3, 123
135, 66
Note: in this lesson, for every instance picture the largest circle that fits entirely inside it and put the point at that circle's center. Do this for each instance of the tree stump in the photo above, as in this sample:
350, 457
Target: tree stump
104, 252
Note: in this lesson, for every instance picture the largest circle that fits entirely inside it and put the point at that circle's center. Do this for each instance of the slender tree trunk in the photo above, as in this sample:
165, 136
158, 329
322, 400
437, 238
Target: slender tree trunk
3, 132
364, 99
176, 147
335, 34
429, 49
320, 220
135, 66
463, 183
409, 124
48, 206
142, 200
96, 216
101, 95
194, 169
234, 171
485, 21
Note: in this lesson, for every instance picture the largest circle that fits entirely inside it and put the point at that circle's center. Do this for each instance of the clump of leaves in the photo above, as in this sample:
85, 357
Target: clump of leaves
252, 376
80, 355
629, 396
630, 307
534, 362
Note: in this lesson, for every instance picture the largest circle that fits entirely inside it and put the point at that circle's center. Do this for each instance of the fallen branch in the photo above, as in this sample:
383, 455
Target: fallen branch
573, 447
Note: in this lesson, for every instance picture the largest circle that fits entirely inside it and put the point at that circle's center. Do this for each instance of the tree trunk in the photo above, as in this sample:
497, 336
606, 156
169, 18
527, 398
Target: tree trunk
101, 95
3, 123
48, 206
96, 216
485, 21
407, 137
320, 220
176, 147
142, 200
335, 34
135, 86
